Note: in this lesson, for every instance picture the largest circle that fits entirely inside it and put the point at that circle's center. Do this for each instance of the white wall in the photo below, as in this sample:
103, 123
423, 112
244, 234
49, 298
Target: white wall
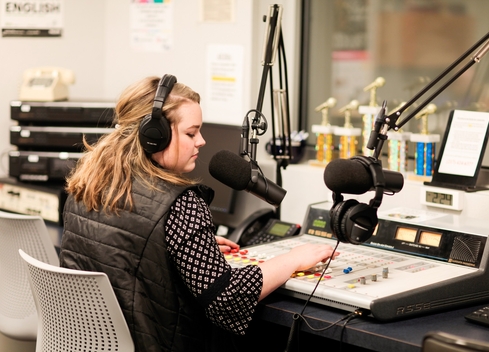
186, 60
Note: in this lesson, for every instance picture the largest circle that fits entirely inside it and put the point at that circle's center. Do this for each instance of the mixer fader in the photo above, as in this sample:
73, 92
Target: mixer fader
415, 263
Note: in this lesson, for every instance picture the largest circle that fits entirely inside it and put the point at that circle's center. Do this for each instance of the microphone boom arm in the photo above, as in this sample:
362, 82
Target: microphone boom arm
379, 134
257, 126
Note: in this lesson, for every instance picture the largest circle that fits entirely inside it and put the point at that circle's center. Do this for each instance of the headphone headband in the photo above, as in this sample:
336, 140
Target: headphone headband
164, 88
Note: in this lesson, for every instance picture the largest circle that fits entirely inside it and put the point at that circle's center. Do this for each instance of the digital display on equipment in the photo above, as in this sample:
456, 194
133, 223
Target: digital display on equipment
279, 229
320, 223
405, 234
439, 198
430, 238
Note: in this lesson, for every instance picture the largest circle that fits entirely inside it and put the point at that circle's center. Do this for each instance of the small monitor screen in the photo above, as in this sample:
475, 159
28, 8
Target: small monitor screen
217, 137
279, 229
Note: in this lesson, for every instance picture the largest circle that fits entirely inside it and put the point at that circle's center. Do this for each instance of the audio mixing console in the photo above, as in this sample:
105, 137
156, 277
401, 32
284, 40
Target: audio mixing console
417, 262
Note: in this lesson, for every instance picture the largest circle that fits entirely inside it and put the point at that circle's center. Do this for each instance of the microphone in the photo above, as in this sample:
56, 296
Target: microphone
235, 172
352, 177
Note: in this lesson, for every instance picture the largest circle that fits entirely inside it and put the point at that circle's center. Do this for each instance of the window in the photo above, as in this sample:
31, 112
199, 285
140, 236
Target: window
348, 44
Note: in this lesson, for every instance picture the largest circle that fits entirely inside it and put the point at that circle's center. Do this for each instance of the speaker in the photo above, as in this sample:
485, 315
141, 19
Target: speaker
354, 222
155, 130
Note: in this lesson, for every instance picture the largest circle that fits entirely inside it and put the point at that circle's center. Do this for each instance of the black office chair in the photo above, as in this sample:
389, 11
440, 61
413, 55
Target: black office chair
436, 341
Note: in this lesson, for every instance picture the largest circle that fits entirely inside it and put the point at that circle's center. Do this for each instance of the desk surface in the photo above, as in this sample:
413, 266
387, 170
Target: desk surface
365, 332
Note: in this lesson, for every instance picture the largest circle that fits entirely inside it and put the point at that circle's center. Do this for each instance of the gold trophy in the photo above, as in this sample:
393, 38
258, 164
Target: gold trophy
324, 134
348, 135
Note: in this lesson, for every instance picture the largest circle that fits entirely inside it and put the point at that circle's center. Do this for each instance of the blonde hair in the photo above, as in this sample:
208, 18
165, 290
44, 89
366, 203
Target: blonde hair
103, 176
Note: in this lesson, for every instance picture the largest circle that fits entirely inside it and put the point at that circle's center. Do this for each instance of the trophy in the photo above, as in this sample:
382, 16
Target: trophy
398, 146
348, 135
424, 156
324, 133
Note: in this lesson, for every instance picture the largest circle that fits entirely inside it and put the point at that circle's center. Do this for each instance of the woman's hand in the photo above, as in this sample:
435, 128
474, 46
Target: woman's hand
226, 245
278, 270
307, 255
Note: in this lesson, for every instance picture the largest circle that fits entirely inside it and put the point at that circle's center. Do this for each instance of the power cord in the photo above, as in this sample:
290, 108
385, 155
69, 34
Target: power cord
346, 319
298, 317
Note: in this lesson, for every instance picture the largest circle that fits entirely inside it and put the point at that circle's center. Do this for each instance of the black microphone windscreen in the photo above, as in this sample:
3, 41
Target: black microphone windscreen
230, 169
347, 176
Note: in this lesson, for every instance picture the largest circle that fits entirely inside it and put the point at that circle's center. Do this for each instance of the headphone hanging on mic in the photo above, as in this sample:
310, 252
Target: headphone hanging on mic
354, 222
155, 130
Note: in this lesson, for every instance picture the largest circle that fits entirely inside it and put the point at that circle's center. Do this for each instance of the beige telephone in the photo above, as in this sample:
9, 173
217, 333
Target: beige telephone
46, 84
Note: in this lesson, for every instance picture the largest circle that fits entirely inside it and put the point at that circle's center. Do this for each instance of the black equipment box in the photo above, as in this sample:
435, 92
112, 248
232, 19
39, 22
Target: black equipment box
51, 138
65, 113
41, 166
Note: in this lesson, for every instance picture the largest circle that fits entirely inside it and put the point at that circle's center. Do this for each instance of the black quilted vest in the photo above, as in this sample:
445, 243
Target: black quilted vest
161, 313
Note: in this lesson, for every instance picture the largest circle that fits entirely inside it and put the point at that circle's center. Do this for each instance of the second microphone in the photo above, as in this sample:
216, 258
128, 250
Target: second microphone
352, 177
235, 172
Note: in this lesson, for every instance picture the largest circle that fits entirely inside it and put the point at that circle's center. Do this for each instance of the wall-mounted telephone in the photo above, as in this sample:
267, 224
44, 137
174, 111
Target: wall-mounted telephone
262, 227
46, 84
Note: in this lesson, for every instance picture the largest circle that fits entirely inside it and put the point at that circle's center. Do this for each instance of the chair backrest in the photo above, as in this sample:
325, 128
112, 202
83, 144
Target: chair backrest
78, 310
436, 341
18, 315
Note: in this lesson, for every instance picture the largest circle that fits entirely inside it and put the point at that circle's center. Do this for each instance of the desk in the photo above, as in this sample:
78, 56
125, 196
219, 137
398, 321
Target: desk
364, 333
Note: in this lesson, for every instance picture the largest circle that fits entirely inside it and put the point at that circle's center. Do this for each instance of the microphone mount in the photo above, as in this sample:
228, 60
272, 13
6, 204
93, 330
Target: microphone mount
384, 123
255, 124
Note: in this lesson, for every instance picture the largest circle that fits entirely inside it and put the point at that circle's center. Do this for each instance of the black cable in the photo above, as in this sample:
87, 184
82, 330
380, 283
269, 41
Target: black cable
297, 316
343, 328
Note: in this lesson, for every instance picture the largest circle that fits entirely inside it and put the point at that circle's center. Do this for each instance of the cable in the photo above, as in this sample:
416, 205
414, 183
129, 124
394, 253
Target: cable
297, 316
343, 328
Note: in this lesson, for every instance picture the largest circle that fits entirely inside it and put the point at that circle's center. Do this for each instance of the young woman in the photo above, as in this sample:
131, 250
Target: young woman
134, 215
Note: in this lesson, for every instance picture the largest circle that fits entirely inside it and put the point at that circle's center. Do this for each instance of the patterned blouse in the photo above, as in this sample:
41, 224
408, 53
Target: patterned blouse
229, 295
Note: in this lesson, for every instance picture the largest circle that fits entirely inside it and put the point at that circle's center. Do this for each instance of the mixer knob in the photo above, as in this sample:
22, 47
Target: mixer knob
385, 273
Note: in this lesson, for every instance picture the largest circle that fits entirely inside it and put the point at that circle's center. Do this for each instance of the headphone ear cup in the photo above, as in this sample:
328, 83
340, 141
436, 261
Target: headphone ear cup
337, 214
358, 223
155, 129
154, 134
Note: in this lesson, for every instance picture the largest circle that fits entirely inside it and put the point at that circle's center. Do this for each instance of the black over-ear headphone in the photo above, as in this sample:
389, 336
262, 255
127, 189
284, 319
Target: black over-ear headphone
354, 222
155, 130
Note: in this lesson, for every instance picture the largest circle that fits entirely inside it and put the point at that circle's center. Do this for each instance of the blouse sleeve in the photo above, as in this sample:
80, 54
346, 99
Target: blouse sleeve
229, 295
